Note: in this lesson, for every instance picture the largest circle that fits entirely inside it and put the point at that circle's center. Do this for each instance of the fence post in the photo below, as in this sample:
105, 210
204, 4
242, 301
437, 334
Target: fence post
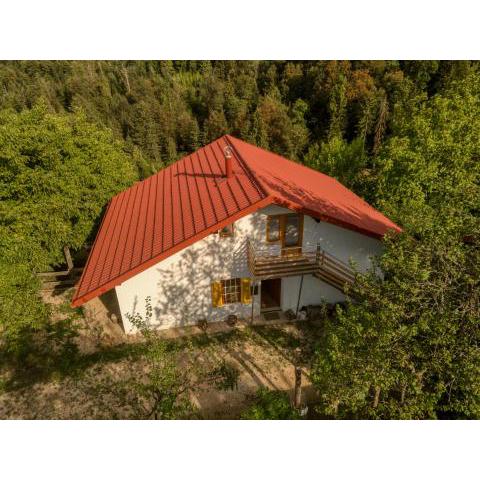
68, 258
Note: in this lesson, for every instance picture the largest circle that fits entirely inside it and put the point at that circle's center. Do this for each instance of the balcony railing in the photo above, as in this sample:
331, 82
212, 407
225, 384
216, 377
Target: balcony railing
273, 261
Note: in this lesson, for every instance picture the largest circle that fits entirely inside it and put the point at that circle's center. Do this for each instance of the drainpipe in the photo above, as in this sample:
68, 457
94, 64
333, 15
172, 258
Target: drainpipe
299, 295
253, 299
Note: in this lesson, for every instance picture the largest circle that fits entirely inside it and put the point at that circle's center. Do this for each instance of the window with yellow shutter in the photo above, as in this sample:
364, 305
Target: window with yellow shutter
233, 290
217, 297
246, 291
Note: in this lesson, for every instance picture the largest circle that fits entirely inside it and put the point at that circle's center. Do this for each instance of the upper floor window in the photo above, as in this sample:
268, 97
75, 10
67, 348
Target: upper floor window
287, 229
273, 228
292, 230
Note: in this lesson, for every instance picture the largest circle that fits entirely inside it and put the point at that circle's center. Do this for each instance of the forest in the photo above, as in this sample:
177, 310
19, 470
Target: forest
403, 135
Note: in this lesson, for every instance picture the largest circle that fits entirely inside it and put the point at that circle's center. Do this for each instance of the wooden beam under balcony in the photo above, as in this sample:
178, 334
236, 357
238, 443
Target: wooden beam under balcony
266, 275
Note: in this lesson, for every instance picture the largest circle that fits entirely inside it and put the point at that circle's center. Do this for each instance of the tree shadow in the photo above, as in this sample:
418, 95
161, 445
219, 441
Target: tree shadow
177, 301
54, 357
302, 335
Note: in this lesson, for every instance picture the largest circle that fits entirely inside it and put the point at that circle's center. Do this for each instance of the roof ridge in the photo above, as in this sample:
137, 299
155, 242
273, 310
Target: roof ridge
299, 164
256, 181
285, 158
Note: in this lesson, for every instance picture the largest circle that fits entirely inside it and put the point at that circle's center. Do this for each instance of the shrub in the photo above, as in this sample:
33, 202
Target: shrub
271, 405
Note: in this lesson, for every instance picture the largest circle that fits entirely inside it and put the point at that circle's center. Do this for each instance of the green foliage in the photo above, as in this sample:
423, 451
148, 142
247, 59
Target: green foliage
345, 161
167, 109
432, 162
414, 336
57, 173
277, 130
271, 405
407, 347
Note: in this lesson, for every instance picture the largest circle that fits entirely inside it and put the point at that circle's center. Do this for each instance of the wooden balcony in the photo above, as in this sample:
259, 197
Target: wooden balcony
333, 271
266, 262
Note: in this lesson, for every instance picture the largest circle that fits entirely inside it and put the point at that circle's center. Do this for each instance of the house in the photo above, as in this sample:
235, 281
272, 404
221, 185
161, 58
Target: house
231, 229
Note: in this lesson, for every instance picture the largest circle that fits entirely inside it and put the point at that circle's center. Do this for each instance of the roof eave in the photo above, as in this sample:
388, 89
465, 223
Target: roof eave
327, 218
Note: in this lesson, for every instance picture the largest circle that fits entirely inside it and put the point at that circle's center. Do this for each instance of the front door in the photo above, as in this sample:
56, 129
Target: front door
292, 233
270, 294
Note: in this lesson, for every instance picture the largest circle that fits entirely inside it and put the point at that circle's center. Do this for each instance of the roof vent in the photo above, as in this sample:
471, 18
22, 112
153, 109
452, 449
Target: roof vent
227, 152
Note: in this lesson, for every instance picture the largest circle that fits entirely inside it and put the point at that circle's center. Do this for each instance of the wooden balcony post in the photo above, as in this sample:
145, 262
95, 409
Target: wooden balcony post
253, 298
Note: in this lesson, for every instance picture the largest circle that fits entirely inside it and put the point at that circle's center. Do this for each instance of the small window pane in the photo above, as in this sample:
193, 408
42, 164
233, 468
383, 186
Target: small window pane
292, 233
273, 229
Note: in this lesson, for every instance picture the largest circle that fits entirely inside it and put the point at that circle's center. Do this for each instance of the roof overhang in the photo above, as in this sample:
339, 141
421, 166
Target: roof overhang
177, 248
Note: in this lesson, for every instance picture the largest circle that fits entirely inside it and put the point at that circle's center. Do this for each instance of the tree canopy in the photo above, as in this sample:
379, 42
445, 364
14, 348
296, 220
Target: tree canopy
58, 172
408, 346
169, 108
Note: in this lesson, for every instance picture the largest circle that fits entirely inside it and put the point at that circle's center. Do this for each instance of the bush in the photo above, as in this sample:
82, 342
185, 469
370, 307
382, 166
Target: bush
271, 405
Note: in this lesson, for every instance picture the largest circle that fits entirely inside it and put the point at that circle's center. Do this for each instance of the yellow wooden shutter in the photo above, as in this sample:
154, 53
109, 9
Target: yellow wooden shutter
246, 291
217, 300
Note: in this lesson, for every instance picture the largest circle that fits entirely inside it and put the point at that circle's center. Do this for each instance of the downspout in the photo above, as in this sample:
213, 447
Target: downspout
253, 299
299, 295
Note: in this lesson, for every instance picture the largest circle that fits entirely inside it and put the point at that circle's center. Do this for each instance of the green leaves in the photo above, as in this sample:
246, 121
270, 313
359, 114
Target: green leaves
408, 346
347, 162
172, 375
435, 158
271, 405
57, 174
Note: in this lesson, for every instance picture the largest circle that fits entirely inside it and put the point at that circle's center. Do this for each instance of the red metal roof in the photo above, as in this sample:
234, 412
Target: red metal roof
301, 188
192, 198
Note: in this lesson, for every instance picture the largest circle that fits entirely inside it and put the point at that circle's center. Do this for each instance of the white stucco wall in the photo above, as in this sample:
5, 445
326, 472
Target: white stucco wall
314, 292
345, 244
180, 286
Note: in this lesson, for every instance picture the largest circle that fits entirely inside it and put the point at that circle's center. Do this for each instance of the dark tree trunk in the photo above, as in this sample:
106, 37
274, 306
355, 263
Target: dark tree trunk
376, 398
298, 387
68, 258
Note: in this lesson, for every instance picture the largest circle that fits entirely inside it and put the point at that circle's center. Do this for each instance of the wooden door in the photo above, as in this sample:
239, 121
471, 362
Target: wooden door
271, 293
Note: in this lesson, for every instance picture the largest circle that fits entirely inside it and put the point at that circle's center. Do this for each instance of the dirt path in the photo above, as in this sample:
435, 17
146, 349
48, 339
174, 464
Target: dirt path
262, 354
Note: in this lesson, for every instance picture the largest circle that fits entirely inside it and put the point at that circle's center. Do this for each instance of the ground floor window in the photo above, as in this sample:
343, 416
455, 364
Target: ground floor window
232, 290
